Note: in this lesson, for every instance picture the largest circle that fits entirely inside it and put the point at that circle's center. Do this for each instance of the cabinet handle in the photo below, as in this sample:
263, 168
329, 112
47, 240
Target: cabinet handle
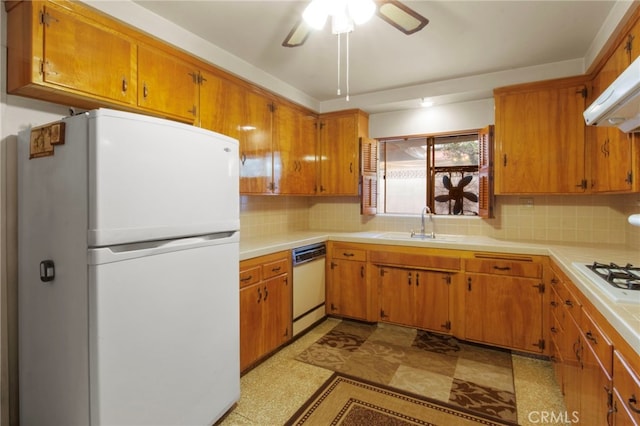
569, 303
417, 279
193, 111
591, 337
259, 295
554, 281
351, 167
333, 307
554, 303
631, 403
348, 254
266, 293
362, 271
409, 278
502, 268
276, 269
504, 160
145, 90
243, 158
246, 278
125, 86
554, 330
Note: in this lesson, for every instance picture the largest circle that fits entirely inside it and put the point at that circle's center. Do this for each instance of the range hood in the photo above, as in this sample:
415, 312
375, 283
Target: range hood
619, 104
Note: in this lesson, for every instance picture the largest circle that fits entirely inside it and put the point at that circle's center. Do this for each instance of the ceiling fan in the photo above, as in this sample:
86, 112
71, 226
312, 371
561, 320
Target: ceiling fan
394, 12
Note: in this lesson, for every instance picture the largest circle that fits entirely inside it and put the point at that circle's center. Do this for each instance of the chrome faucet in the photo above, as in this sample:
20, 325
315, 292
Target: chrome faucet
426, 210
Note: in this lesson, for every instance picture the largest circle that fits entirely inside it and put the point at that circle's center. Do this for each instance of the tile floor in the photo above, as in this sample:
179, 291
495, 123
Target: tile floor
273, 391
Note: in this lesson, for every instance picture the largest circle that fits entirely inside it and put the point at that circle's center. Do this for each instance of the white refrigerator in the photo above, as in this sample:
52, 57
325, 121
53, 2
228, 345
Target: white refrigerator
128, 236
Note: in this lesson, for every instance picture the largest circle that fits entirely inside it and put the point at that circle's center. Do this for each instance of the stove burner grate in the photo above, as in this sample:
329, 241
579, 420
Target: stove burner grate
624, 277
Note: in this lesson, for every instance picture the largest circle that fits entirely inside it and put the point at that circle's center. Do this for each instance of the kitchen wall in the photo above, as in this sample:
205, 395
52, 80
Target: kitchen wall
598, 219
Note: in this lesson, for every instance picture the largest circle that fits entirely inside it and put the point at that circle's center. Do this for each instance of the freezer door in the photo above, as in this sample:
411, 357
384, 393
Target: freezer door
164, 335
153, 179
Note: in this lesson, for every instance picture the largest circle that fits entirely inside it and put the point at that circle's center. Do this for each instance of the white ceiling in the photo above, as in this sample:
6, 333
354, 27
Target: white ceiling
462, 39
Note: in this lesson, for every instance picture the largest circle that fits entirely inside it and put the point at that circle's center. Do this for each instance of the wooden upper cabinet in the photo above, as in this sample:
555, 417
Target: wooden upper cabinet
540, 138
221, 105
167, 85
294, 151
85, 61
338, 152
611, 150
256, 162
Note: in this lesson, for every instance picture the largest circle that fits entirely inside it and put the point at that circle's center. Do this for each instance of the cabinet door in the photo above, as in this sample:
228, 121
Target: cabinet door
572, 347
397, 295
167, 85
276, 316
221, 105
432, 300
505, 311
256, 161
294, 151
347, 291
540, 141
594, 390
611, 161
339, 155
85, 57
251, 328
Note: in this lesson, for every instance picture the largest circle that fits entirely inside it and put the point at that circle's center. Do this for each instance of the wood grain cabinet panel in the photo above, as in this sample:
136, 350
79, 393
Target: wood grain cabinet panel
339, 151
167, 85
265, 306
626, 382
58, 54
349, 292
540, 138
504, 301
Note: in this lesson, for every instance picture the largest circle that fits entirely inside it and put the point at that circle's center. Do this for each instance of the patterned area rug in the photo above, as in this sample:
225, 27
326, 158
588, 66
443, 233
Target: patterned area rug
429, 365
348, 401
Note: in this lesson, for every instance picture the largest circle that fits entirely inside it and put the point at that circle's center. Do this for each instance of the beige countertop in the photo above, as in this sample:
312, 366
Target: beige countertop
624, 317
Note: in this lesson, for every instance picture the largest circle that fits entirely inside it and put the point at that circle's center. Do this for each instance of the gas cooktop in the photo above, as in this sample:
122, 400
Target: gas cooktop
620, 283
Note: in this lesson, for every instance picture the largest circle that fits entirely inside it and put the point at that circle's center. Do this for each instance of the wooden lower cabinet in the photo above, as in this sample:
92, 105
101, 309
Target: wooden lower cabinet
265, 306
626, 392
348, 293
504, 302
414, 297
591, 376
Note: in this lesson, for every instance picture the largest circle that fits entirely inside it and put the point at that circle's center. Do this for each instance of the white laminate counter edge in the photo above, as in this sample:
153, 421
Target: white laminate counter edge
625, 318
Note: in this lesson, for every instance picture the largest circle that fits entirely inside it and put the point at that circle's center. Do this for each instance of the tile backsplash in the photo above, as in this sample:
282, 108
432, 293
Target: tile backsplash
581, 219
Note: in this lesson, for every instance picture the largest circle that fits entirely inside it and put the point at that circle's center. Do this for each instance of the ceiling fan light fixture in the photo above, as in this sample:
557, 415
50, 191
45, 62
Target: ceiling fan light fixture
426, 102
360, 10
401, 17
316, 13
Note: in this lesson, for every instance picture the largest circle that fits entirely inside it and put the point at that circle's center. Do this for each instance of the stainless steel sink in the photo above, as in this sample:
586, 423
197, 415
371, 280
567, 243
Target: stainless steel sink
407, 236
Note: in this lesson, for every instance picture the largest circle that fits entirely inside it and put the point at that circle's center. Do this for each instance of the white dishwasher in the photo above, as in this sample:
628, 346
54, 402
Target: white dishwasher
308, 286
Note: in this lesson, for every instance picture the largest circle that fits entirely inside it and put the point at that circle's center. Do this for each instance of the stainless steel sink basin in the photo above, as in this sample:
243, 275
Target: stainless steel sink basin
419, 237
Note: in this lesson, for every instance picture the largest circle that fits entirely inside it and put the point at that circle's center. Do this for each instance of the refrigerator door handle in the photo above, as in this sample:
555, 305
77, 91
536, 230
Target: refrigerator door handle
102, 255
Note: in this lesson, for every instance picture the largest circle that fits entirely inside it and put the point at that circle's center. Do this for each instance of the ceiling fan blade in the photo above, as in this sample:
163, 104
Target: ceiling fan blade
400, 16
298, 35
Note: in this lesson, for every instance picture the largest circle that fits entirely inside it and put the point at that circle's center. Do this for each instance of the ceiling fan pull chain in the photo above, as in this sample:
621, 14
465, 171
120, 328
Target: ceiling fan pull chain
338, 64
347, 75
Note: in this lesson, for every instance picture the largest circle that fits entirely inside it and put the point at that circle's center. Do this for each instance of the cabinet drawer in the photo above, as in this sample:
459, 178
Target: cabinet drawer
275, 268
249, 276
504, 267
347, 253
413, 260
627, 383
570, 302
600, 344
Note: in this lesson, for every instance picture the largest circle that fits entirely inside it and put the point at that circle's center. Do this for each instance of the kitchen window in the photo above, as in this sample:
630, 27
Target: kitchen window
441, 172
